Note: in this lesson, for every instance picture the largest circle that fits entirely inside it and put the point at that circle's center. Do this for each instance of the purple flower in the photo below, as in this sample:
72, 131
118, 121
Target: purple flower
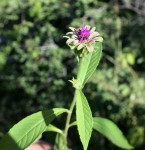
83, 33
83, 37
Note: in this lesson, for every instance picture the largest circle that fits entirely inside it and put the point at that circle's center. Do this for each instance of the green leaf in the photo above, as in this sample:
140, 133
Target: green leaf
89, 63
52, 128
84, 118
111, 131
29, 129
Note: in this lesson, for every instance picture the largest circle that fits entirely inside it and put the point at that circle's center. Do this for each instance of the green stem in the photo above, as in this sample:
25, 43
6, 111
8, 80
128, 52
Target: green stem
69, 116
67, 125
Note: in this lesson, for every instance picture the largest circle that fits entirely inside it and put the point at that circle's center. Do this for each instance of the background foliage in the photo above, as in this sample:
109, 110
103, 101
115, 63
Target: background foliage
36, 64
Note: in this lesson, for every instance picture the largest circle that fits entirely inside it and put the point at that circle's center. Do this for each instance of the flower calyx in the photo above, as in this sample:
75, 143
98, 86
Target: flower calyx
75, 83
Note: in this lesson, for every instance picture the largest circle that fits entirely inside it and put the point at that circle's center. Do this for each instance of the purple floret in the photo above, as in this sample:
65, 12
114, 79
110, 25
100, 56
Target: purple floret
83, 33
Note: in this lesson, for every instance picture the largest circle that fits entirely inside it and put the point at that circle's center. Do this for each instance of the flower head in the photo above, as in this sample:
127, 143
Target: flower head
83, 34
81, 38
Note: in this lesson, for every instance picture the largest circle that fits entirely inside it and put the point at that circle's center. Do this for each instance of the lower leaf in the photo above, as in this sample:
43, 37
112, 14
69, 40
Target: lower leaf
29, 129
112, 132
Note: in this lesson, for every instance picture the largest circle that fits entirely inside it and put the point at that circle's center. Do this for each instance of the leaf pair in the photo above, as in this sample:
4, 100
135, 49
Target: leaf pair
85, 124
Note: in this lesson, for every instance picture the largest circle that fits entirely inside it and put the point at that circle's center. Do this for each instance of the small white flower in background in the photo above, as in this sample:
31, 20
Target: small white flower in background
83, 37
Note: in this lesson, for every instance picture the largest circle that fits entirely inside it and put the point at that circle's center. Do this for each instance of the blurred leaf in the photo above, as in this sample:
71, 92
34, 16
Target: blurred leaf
2, 59
130, 58
136, 135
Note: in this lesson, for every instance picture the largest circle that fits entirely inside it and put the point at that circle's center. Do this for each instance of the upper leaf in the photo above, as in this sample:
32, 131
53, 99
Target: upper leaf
29, 129
84, 118
111, 131
89, 63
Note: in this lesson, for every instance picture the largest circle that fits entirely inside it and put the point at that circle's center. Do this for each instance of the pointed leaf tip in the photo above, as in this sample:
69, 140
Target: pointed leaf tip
84, 118
112, 132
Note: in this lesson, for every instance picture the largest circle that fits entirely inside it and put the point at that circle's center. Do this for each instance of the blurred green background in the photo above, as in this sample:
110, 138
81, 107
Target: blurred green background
36, 64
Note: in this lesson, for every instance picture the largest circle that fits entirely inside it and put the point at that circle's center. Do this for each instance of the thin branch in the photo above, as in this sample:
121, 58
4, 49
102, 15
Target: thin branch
136, 10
